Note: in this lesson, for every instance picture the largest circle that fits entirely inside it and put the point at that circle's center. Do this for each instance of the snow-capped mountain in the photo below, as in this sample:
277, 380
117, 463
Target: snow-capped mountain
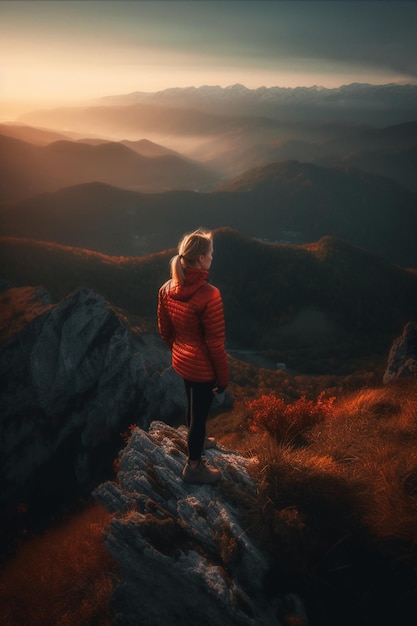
360, 102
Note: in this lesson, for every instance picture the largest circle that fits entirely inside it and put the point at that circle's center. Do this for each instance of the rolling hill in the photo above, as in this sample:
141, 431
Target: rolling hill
31, 134
366, 210
143, 146
27, 169
272, 289
399, 165
389, 151
292, 201
275, 296
148, 148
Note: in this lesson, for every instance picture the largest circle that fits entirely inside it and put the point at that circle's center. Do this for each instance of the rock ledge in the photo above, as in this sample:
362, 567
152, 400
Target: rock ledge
183, 550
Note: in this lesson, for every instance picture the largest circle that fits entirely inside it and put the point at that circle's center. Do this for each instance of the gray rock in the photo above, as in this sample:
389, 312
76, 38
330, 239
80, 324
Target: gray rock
184, 554
402, 358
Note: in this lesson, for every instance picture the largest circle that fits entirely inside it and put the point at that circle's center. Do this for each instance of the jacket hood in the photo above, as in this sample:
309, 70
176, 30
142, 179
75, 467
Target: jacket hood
194, 279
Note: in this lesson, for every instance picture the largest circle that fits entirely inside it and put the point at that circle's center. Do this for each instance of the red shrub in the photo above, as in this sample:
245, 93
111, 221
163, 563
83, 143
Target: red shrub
272, 415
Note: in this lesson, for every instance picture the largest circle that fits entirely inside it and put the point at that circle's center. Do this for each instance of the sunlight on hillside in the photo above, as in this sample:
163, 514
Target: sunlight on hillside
62, 578
337, 503
19, 306
366, 440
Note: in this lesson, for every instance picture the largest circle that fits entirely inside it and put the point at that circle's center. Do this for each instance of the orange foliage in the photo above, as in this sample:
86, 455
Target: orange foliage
281, 420
62, 578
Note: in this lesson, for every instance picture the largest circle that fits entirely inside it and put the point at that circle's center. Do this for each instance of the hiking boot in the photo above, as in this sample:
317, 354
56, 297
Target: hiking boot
209, 442
203, 473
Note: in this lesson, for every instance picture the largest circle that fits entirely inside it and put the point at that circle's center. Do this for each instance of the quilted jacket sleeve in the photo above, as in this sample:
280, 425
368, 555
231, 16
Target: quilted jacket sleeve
165, 327
212, 320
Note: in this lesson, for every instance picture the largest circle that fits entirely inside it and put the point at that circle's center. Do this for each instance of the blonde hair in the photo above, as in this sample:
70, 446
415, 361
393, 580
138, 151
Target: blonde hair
190, 248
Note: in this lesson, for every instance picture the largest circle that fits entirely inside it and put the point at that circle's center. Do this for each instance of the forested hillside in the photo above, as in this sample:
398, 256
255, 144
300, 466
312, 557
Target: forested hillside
314, 297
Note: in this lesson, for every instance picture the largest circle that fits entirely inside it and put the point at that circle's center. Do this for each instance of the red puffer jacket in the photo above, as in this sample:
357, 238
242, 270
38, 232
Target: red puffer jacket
191, 322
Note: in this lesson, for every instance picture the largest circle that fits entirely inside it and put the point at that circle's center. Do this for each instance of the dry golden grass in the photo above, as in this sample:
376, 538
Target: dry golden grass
383, 448
62, 578
337, 503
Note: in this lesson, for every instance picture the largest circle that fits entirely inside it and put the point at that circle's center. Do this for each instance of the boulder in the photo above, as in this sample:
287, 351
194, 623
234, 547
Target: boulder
402, 358
71, 380
183, 551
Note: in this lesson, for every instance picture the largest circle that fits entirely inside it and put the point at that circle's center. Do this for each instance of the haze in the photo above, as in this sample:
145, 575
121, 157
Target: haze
59, 51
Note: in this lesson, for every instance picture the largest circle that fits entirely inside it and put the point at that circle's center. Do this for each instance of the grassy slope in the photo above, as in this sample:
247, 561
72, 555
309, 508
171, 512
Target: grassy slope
63, 577
337, 503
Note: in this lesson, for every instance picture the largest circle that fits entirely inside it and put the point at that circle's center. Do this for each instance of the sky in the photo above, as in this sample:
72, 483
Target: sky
67, 50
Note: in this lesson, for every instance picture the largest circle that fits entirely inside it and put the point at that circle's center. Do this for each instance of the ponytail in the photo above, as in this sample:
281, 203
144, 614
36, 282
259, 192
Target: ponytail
191, 246
177, 270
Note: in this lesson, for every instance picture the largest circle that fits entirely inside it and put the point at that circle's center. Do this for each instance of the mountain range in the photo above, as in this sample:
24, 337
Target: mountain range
128, 175
242, 143
288, 202
353, 103
28, 169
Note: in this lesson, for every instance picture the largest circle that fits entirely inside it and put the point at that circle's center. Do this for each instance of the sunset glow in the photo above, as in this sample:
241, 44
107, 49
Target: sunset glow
59, 51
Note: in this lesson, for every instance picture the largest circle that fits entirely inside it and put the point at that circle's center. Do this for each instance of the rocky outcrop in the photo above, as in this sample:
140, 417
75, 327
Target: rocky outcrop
184, 554
402, 358
73, 378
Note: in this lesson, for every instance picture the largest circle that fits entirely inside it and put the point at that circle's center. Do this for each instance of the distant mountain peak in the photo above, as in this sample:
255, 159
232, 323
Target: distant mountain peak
356, 102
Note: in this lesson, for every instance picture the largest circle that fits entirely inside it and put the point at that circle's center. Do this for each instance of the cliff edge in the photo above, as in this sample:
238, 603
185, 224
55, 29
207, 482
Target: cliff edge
184, 552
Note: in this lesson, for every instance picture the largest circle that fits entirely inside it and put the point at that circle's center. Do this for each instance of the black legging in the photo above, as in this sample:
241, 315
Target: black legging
199, 399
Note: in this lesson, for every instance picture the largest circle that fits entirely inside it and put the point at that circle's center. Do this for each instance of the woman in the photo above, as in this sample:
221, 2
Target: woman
191, 322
